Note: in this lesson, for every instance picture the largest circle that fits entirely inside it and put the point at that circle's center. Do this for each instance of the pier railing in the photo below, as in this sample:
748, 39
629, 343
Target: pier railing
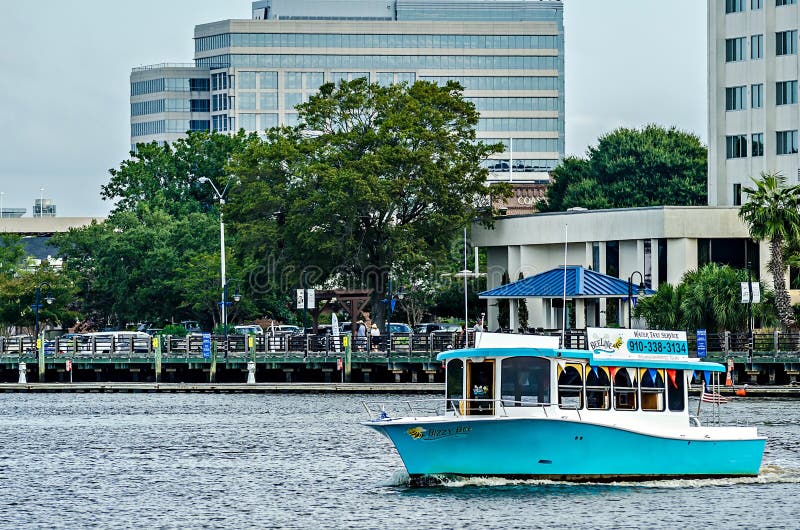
766, 345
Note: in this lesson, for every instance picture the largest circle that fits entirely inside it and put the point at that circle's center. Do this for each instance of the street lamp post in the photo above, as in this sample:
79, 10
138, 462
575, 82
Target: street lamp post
225, 303
749, 315
220, 195
639, 290
393, 296
38, 305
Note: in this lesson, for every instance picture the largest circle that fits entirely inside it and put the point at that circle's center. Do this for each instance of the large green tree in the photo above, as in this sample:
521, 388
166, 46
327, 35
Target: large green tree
156, 258
372, 180
771, 211
632, 168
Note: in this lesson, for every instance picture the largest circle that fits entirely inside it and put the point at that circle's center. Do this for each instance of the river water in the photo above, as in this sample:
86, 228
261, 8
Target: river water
303, 461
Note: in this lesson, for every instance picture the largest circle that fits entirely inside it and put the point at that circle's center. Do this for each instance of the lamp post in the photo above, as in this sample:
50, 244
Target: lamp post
220, 195
466, 273
639, 290
224, 303
393, 296
749, 316
38, 305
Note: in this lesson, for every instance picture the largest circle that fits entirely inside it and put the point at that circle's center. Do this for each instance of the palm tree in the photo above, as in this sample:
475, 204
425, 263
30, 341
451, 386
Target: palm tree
772, 213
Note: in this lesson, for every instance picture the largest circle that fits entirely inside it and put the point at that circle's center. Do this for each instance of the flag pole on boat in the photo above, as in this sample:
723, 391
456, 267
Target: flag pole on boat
564, 299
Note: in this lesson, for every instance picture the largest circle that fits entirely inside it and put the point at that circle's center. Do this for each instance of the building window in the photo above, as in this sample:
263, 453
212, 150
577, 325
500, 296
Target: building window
199, 125
757, 46
786, 92
247, 80
756, 145
756, 4
662, 261
737, 194
779, 3
735, 98
736, 146
786, 142
785, 42
734, 6
200, 105
757, 96
612, 258
596, 256
734, 49
199, 85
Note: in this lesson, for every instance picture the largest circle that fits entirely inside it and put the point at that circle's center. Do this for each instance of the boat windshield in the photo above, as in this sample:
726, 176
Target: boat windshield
525, 381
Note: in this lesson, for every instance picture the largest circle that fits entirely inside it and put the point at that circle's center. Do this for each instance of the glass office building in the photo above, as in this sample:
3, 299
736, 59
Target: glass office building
167, 100
507, 54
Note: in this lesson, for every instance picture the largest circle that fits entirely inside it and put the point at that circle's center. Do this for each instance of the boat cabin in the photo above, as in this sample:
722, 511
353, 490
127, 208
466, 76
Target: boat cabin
520, 381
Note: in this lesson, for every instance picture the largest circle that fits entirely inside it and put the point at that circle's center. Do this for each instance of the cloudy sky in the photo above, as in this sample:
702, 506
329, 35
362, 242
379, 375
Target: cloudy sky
64, 110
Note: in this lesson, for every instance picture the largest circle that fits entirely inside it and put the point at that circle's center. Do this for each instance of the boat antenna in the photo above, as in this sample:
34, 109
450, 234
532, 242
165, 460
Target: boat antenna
564, 299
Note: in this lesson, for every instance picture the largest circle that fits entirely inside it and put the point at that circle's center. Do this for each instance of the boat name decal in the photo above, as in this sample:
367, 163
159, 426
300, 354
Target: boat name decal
419, 433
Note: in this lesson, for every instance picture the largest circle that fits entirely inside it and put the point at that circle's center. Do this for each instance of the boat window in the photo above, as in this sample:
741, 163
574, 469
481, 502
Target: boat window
624, 388
676, 390
525, 381
455, 383
481, 387
598, 388
570, 386
652, 388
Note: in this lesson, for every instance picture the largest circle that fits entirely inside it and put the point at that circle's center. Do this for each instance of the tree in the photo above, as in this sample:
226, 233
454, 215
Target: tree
12, 254
372, 180
708, 298
632, 168
165, 175
522, 310
771, 212
503, 306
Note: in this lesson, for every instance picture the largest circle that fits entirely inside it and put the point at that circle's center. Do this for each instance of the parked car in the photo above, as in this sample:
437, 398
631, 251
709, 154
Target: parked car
137, 341
286, 328
192, 326
249, 329
429, 327
398, 327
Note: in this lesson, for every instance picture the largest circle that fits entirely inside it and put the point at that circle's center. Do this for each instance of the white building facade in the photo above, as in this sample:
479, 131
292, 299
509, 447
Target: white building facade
650, 245
754, 116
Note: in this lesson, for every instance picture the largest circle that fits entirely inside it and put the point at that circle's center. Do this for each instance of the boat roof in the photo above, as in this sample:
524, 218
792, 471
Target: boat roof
672, 362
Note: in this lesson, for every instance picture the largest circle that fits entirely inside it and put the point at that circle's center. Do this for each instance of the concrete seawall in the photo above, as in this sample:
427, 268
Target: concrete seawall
218, 388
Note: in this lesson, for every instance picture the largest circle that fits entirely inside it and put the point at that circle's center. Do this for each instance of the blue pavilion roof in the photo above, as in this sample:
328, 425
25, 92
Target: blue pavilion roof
581, 283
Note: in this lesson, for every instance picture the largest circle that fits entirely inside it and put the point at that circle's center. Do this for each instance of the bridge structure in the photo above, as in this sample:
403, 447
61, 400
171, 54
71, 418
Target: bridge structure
411, 358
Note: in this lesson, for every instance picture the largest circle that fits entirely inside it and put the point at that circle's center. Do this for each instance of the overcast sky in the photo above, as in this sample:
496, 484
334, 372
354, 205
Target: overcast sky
65, 114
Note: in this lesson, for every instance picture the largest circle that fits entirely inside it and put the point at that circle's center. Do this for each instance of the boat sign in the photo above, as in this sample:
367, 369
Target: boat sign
643, 343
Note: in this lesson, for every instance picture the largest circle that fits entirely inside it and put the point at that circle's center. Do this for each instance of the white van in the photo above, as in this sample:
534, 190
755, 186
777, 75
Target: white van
249, 329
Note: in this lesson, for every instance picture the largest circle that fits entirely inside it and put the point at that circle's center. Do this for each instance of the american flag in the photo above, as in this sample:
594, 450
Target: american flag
712, 397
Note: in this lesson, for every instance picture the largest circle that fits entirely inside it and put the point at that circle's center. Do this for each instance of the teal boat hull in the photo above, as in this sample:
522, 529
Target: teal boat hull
563, 450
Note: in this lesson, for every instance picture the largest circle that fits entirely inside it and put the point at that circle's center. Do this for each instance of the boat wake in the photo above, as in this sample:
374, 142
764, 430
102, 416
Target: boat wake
769, 474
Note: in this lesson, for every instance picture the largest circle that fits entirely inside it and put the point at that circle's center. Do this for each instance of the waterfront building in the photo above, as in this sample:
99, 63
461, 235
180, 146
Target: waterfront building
652, 245
507, 54
753, 114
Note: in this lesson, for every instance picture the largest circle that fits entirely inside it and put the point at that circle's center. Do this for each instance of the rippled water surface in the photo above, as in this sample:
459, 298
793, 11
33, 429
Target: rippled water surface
302, 461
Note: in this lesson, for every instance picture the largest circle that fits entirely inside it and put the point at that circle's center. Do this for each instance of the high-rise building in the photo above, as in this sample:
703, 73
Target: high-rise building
752, 94
507, 54
167, 100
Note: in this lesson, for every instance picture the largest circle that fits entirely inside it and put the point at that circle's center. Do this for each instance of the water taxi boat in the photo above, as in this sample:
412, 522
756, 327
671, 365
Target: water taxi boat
517, 406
